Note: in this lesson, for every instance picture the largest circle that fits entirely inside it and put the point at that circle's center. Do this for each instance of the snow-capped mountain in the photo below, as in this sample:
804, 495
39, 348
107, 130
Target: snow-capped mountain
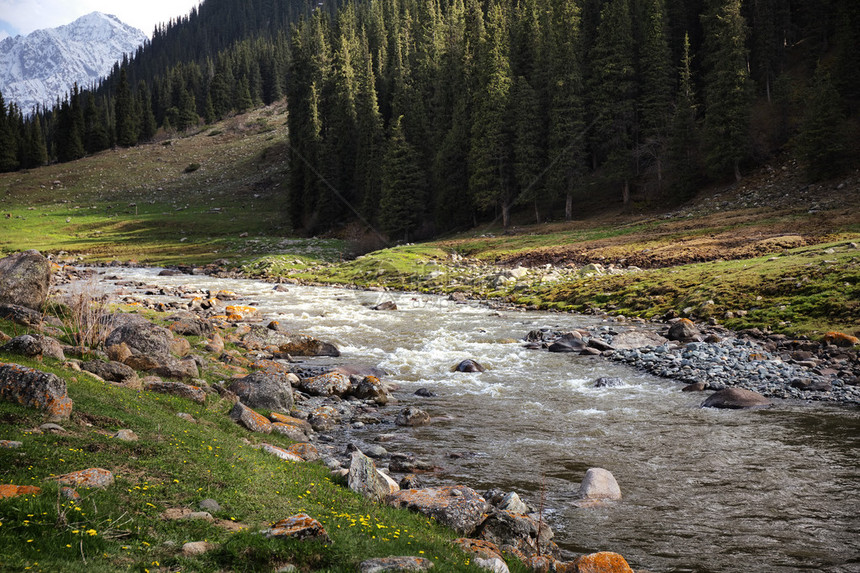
36, 68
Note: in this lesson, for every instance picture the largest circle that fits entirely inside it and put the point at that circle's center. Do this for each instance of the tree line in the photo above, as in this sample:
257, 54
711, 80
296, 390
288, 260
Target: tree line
428, 116
424, 116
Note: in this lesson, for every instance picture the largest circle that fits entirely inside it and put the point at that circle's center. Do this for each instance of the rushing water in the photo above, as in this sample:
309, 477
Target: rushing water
704, 490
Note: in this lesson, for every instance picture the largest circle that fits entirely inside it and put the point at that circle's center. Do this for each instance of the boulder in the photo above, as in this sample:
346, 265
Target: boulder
194, 548
608, 382
180, 346
360, 370
170, 367
35, 389
330, 384
468, 365
599, 484
191, 325
94, 477
215, 344
21, 315
179, 389
480, 548
371, 388
264, 390
9, 490
567, 343
841, 339
636, 339
260, 337
245, 416
142, 338
25, 279
395, 565
684, 330
365, 479
736, 399
281, 453
695, 387
301, 527
112, 371
387, 305
457, 507
324, 418
34, 346
602, 562
118, 352
308, 452
412, 416
517, 530
126, 436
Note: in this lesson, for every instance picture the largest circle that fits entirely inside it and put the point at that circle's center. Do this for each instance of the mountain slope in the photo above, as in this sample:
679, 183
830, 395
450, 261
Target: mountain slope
36, 68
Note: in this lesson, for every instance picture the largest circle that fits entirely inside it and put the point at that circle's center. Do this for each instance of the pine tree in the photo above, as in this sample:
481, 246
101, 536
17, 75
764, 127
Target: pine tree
95, 131
684, 135
727, 87
8, 143
68, 138
822, 142
126, 124
36, 152
528, 154
403, 186
146, 118
370, 147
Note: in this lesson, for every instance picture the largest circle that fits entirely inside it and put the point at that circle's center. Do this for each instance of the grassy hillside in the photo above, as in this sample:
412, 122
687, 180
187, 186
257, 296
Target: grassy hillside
220, 194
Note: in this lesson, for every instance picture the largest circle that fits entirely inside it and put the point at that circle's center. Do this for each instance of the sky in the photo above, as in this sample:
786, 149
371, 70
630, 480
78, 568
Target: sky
25, 16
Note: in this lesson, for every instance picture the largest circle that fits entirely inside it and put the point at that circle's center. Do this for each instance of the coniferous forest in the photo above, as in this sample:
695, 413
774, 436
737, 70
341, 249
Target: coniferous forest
423, 117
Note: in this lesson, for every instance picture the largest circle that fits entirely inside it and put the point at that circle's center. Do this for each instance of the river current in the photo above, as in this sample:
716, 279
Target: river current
704, 490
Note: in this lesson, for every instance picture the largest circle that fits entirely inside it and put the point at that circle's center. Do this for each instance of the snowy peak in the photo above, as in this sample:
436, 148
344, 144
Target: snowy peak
37, 68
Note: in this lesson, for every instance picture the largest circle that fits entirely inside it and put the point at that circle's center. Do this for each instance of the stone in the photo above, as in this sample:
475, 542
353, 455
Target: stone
209, 505
371, 388
70, 493
599, 345
193, 548
35, 346
493, 564
141, 362
290, 425
425, 393
187, 417
184, 369
270, 391
180, 346
142, 337
526, 534
245, 416
511, 502
608, 382
324, 418
840, 339
567, 343
329, 384
478, 547
360, 370
468, 365
191, 325
387, 305
636, 339
301, 527
126, 436
112, 371
55, 428
308, 452
215, 344
35, 389
412, 416
21, 315
94, 477
458, 507
684, 330
695, 387
25, 279
179, 389
736, 399
602, 562
599, 484
260, 337
10, 444
395, 564
367, 480
409, 481
9, 490
281, 453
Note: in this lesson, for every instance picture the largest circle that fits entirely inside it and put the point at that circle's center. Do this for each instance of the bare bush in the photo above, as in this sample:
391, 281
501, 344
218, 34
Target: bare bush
86, 314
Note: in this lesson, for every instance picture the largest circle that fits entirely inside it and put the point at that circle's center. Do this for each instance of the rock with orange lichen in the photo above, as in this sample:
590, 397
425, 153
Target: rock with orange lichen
9, 490
281, 453
35, 389
264, 390
242, 312
395, 564
260, 337
602, 562
330, 384
458, 507
25, 279
479, 548
245, 416
527, 535
306, 451
194, 393
93, 477
841, 339
302, 527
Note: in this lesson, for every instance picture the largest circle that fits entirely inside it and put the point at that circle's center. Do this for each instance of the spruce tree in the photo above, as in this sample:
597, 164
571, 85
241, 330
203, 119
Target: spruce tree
528, 154
401, 207
125, 118
36, 152
146, 118
684, 133
8, 143
821, 141
728, 94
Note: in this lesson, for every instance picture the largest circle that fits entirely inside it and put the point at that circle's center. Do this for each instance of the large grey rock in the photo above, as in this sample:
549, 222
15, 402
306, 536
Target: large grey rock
636, 339
193, 393
35, 346
684, 330
736, 399
599, 484
367, 480
329, 384
189, 324
395, 565
142, 338
35, 389
25, 279
268, 390
261, 337
412, 416
517, 530
111, 371
469, 365
371, 388
21, 315
458, 507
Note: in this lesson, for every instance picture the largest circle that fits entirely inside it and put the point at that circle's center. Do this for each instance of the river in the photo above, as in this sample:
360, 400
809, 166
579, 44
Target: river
704, 490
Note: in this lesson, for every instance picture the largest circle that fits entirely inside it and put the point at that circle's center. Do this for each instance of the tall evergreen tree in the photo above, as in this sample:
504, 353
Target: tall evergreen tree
146, 117
403, 186
684, 135
126, 124
728, 93
822, 141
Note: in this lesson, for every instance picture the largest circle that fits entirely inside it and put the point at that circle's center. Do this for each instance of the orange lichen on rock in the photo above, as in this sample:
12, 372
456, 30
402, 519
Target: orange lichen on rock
9, 490
243, 312
35, 389
93, 477
841, 339
301, 526
602, 562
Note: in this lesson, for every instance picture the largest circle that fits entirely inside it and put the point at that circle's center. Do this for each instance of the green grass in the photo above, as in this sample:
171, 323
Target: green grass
177, 464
